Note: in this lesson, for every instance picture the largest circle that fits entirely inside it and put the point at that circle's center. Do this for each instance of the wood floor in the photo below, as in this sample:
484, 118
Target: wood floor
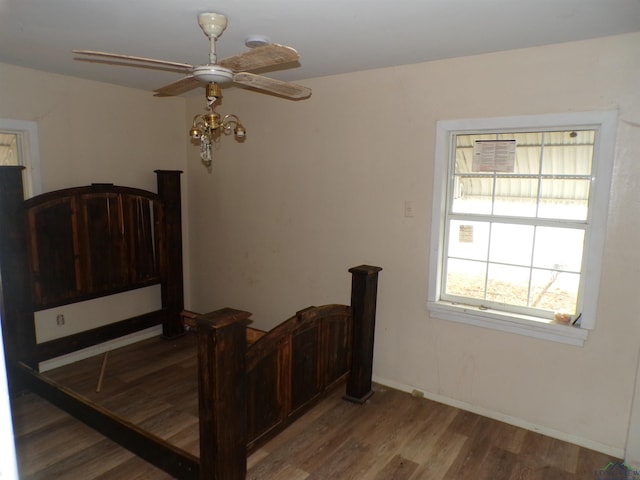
392, 436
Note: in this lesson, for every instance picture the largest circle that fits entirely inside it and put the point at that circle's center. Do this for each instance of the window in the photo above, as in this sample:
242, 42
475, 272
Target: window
520, 208
19, 146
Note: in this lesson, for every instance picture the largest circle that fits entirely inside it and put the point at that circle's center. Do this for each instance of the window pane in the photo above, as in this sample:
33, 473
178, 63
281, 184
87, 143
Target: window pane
516, 197
517, 194
528, 151
568, 155
472, 194
558, 248
465, 278
469, 240
554, 291
570, 137
564, 198
472, 191
464, 159
567, 160
507, 284
511, 244
8, 149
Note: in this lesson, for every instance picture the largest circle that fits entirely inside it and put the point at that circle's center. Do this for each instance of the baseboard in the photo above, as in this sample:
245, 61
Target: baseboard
100, 348
517, 422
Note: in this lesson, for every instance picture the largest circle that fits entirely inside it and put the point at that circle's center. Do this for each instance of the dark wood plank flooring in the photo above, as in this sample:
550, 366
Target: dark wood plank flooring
393, 436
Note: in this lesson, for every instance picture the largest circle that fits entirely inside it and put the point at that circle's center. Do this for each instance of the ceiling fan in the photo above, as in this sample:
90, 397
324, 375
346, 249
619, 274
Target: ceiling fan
235, 69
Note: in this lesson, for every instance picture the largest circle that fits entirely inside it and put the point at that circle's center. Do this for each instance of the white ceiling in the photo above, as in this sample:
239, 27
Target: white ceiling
332, 36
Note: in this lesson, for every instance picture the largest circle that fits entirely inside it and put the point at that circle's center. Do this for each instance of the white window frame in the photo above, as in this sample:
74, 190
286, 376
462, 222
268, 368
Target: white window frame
604, 153
28, 151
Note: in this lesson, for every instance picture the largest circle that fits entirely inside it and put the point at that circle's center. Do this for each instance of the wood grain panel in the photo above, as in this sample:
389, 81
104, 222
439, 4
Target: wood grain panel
305, 365
91, 241
55, 251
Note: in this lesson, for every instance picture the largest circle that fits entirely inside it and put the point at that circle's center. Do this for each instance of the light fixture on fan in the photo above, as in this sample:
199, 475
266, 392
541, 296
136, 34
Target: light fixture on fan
208, 128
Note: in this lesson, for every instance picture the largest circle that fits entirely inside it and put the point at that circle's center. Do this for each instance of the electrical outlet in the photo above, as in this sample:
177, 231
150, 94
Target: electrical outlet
60, 319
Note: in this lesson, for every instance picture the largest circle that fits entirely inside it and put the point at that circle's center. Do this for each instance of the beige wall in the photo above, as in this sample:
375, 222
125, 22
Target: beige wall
94, 132
319, 186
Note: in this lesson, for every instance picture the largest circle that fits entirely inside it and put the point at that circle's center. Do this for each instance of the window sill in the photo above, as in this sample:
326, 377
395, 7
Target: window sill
511, 323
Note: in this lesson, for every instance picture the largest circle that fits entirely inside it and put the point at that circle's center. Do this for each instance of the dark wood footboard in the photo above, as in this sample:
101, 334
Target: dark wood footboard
289, 368
248, 394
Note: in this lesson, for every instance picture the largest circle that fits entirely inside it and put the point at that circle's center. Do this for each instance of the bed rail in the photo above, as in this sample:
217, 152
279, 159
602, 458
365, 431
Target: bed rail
151, 448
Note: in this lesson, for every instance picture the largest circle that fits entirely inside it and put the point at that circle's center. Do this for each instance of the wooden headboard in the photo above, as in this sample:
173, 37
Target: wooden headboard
82, 243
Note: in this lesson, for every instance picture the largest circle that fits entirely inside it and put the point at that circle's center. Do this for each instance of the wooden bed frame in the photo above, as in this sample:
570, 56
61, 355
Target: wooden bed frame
87, 242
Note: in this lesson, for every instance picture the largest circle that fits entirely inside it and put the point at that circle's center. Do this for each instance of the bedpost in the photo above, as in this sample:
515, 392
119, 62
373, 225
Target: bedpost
364, 289
172, 281
16, 302
222, 394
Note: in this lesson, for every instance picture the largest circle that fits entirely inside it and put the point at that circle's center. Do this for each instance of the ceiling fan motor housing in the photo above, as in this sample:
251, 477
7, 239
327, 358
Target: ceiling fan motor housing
213, 73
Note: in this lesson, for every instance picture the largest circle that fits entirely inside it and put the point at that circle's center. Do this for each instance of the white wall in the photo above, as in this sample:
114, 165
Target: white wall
319, 186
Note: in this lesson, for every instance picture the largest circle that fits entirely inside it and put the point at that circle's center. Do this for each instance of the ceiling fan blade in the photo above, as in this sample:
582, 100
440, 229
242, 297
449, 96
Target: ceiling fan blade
284, 89
260, 57
132, 58
121, 63
176, 88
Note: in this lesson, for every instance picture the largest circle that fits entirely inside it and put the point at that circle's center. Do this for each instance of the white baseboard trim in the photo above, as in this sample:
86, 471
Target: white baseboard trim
100, 348
517, 422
